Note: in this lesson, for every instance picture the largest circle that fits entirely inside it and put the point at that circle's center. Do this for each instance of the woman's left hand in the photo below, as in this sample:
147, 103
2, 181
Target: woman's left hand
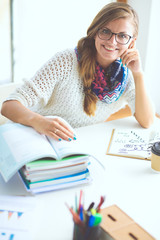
131, 59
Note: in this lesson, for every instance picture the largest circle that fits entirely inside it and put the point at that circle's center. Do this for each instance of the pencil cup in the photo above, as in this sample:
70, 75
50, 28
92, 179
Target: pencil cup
86, 233
155, 157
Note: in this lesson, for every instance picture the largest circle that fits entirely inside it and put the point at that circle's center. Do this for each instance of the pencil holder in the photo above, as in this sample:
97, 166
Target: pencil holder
86, 233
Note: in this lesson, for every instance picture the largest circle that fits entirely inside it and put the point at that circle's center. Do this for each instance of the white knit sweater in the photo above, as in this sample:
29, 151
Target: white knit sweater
57, 89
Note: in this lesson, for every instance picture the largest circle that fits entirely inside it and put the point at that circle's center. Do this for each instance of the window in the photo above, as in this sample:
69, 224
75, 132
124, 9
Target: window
5, 42
39, 29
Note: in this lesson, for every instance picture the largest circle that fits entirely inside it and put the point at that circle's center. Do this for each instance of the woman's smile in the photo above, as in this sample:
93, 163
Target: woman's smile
110, 49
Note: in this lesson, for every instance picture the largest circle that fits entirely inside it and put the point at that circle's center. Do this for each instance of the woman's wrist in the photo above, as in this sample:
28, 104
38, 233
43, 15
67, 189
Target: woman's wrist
34, 120
139, 74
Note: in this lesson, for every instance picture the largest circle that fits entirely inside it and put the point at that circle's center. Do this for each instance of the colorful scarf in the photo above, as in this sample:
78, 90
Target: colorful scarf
110, 83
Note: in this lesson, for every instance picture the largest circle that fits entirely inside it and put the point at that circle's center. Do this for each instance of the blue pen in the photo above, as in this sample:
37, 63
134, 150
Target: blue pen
81, 213
91, 221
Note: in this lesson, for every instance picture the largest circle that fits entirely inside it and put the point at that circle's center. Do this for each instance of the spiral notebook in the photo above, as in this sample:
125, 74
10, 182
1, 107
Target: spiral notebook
132, 143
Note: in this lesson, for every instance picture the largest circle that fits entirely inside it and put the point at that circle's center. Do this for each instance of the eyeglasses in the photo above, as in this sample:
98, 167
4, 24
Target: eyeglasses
106, 34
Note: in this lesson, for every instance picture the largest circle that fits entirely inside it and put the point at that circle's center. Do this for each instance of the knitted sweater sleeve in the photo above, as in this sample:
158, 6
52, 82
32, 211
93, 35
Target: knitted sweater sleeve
39, 89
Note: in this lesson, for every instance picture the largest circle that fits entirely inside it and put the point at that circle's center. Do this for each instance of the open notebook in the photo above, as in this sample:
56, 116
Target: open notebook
133, 143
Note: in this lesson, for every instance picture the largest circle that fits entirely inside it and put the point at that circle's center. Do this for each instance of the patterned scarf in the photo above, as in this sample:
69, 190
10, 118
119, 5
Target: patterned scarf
110, 83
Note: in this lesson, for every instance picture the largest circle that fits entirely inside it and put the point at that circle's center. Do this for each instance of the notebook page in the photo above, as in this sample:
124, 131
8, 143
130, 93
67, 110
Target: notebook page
130, 142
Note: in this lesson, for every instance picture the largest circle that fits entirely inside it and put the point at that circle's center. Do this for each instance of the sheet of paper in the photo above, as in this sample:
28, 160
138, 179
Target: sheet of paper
130, 142
15, 217
65, 148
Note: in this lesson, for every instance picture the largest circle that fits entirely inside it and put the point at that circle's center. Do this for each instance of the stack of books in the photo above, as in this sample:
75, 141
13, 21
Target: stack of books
46, 175
43, 163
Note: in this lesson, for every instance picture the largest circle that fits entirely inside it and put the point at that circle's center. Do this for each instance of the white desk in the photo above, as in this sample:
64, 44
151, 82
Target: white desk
129, 183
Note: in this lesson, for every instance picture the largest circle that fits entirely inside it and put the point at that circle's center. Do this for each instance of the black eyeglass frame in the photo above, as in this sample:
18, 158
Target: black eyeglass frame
112, 33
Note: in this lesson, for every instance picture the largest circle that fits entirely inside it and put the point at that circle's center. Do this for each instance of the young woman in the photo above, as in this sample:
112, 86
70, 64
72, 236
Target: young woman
87, 84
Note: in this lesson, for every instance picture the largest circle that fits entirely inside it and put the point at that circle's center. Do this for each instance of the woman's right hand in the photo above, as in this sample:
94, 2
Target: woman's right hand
53, 127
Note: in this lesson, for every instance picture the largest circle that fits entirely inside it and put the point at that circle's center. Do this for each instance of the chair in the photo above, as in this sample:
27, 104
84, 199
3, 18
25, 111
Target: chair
122, 113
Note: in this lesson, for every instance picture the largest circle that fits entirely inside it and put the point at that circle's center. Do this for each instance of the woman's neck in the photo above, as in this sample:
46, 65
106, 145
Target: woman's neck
105, 63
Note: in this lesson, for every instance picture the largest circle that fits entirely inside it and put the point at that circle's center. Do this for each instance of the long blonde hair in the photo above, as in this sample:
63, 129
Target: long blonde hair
87, 51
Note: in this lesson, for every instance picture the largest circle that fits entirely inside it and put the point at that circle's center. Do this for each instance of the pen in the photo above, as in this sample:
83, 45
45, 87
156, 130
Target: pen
100, 203
94, 220
81, 213
97, 219
90, 206
91, 220
76, 217
80, 199
93, 211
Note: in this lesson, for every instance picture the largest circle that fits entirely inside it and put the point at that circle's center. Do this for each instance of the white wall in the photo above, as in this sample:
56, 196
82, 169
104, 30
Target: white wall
143, 10
148, 44
152, 68
43, 27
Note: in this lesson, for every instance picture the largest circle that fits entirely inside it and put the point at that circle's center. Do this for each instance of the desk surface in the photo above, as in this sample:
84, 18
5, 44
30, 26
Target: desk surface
129, 183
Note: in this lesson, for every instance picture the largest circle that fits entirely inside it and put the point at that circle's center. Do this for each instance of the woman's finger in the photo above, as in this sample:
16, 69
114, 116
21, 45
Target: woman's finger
61, 130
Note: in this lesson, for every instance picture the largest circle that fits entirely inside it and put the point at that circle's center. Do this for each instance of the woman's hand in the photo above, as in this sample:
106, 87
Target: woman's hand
131, 59
54, 128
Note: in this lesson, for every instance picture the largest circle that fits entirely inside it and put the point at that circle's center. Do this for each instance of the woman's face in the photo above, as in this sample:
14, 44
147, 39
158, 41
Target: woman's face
109, 50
